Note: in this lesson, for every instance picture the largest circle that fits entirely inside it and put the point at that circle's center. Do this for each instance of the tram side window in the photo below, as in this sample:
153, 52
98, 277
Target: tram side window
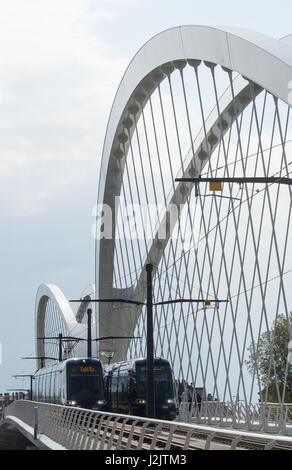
132, 388
120, 388
58, 386
38, 388
48, 387
41, 387
114, 391
50, 392
53, 379
35, 388
123, 388
114, 385
107, 387
45, 381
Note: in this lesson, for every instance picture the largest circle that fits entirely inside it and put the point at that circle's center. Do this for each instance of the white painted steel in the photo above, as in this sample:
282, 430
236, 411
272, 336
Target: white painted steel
63, 319
264, 417
235, 48
263, 60
78, 429
264, 65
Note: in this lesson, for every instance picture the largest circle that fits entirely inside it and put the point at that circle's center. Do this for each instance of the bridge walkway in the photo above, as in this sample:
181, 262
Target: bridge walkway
58, 427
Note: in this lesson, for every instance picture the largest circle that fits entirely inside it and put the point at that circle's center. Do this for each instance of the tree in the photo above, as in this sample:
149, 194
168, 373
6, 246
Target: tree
268, 358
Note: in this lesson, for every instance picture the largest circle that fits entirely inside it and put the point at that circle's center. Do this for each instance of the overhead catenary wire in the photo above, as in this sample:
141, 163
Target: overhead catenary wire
185, 254
226, 242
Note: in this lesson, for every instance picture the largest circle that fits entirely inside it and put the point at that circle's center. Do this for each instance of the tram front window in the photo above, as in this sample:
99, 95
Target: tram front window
162, 382
84, 383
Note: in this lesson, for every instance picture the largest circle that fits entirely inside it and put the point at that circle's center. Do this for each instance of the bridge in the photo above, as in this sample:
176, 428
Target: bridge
195, 181
54, 427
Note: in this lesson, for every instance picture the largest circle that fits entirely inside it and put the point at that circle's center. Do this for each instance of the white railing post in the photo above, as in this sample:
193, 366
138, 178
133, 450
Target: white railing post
36, 422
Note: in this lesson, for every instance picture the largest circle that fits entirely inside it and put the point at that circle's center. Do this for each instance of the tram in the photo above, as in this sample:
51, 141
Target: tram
73, 382
125, 385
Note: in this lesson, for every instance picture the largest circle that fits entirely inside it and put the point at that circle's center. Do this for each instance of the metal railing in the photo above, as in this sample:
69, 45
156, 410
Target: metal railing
80, 429
266, 417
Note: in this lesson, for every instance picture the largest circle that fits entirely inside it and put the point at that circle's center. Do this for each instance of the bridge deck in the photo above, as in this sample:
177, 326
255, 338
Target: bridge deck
61, 428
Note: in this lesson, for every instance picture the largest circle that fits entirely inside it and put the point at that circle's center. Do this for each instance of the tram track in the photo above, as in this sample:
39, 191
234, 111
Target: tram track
165, 439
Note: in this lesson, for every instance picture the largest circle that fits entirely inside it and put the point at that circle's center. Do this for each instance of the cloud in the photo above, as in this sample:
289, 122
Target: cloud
36, 28
58, 78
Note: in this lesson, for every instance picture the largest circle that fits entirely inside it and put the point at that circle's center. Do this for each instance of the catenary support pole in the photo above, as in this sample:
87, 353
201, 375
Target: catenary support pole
89, 349
60, 347
150, 398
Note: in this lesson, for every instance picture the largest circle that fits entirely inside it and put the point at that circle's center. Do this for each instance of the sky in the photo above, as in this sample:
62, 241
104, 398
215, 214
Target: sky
60, 65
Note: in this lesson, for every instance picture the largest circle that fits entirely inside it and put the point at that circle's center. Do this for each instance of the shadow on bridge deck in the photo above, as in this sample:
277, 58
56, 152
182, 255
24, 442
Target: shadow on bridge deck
12, 439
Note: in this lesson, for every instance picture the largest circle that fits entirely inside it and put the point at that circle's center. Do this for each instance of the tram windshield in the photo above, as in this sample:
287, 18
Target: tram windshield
162, 381
84, 382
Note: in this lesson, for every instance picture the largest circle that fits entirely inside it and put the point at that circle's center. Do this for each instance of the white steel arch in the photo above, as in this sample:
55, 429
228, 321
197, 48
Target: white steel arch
264, 62
87, 295
239, 125
234, 48
54, 315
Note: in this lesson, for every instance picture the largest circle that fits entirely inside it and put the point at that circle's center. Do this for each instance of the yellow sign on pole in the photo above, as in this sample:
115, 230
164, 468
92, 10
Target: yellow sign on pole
215, 186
